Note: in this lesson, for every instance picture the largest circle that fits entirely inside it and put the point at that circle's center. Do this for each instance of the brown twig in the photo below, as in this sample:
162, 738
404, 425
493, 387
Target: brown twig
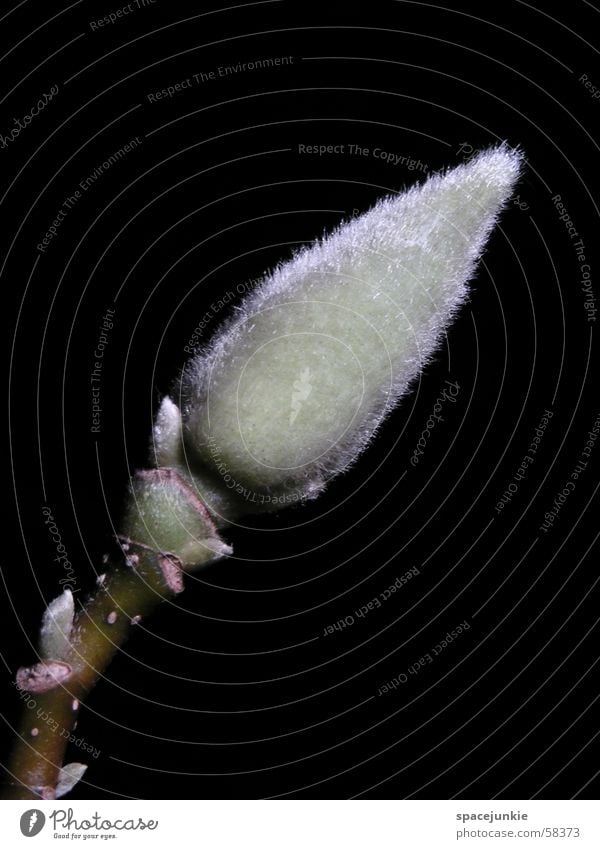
129, 591
171, 531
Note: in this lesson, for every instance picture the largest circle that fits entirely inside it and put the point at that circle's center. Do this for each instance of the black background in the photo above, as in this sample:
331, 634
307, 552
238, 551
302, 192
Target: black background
233, 690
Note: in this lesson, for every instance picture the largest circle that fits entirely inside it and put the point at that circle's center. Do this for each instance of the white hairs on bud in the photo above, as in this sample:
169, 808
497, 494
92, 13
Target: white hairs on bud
292, 388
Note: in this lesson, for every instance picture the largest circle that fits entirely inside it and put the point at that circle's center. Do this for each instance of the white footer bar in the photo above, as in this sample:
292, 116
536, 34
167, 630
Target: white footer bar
303, 824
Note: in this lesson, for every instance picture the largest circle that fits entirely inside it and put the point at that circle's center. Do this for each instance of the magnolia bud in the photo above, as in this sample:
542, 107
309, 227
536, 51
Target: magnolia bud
290, 391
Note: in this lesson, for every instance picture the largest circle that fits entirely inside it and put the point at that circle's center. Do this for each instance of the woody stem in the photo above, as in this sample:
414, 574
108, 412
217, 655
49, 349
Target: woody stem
125, 595
167, 529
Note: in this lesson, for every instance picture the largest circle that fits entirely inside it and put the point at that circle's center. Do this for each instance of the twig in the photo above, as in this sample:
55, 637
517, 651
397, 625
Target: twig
138, 578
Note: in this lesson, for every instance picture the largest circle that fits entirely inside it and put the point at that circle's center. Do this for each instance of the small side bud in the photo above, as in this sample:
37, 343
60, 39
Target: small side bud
57, 624
43, 676
166, 435
68, 777
166, 514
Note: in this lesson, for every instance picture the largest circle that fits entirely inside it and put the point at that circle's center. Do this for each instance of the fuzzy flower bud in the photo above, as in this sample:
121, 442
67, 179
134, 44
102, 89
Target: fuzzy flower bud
290, 391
